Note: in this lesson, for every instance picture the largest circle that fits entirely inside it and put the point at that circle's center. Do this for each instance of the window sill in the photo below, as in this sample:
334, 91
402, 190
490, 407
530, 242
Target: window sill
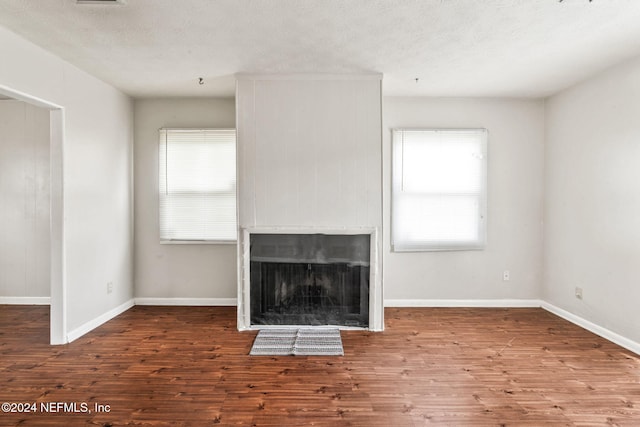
198, 242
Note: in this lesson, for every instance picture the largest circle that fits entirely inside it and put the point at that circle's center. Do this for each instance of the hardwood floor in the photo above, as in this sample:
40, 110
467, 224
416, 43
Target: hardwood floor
160, 366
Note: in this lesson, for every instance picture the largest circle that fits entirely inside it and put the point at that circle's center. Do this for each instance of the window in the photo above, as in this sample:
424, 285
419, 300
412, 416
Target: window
439, 189
197, 185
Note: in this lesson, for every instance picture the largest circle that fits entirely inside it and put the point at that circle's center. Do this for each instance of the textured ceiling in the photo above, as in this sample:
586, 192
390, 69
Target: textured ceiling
515, 48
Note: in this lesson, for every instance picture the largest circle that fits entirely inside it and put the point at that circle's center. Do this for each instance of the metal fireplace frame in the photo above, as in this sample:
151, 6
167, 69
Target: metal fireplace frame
376, 308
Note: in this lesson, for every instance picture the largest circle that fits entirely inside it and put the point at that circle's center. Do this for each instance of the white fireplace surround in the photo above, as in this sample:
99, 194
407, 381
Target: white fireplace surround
376, 313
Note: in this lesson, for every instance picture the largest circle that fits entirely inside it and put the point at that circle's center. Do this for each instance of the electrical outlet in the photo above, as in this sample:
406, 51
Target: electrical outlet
578, 292
109, 287
506, 275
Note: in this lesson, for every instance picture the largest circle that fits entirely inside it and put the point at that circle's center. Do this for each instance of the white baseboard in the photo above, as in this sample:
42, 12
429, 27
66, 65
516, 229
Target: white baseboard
92, 324
488, 303
187, 301
480, 303
25, 300
592, 327
519, 303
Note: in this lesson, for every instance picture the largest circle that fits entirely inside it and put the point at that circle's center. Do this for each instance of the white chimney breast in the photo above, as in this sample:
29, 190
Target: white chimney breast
310, 157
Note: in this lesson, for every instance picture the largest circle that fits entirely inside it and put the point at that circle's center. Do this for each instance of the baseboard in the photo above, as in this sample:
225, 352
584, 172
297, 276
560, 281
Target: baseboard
520, 303
480, 303
488, 303
92, 324
187, 301
592, 327
25, 300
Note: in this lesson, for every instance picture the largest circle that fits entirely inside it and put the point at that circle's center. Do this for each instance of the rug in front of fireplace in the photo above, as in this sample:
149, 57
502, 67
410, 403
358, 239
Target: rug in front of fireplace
298, 342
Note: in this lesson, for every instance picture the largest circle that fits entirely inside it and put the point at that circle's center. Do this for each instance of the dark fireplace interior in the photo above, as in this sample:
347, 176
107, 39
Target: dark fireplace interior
310, 279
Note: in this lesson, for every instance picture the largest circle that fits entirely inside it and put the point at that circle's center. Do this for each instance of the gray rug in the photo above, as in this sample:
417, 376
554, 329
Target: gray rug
298, 342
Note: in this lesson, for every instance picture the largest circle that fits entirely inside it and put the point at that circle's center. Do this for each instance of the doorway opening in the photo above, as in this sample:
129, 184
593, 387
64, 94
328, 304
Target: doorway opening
33, 249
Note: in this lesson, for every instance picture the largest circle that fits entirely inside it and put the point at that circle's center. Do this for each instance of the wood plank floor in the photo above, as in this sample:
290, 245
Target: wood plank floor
161, 366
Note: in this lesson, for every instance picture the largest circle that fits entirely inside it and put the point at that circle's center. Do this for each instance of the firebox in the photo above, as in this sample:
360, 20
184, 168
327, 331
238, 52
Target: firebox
310, 279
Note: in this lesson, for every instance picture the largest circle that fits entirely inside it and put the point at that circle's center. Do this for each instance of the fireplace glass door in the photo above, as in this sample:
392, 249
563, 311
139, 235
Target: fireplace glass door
309, 279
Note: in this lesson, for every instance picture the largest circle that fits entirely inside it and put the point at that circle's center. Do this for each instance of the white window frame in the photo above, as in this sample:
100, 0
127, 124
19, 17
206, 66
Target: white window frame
469, 233
172, 235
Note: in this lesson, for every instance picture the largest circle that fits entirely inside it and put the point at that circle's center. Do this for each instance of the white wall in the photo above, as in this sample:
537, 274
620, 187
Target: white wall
24, 200
592, 211
98, 179
515, 204
309, 152
176, 270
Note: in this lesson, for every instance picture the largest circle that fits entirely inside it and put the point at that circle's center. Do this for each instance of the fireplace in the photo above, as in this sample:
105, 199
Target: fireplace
309, 162
309, 278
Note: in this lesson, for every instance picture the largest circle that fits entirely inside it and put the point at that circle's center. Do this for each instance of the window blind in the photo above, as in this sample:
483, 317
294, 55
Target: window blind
197, 185
439, 189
